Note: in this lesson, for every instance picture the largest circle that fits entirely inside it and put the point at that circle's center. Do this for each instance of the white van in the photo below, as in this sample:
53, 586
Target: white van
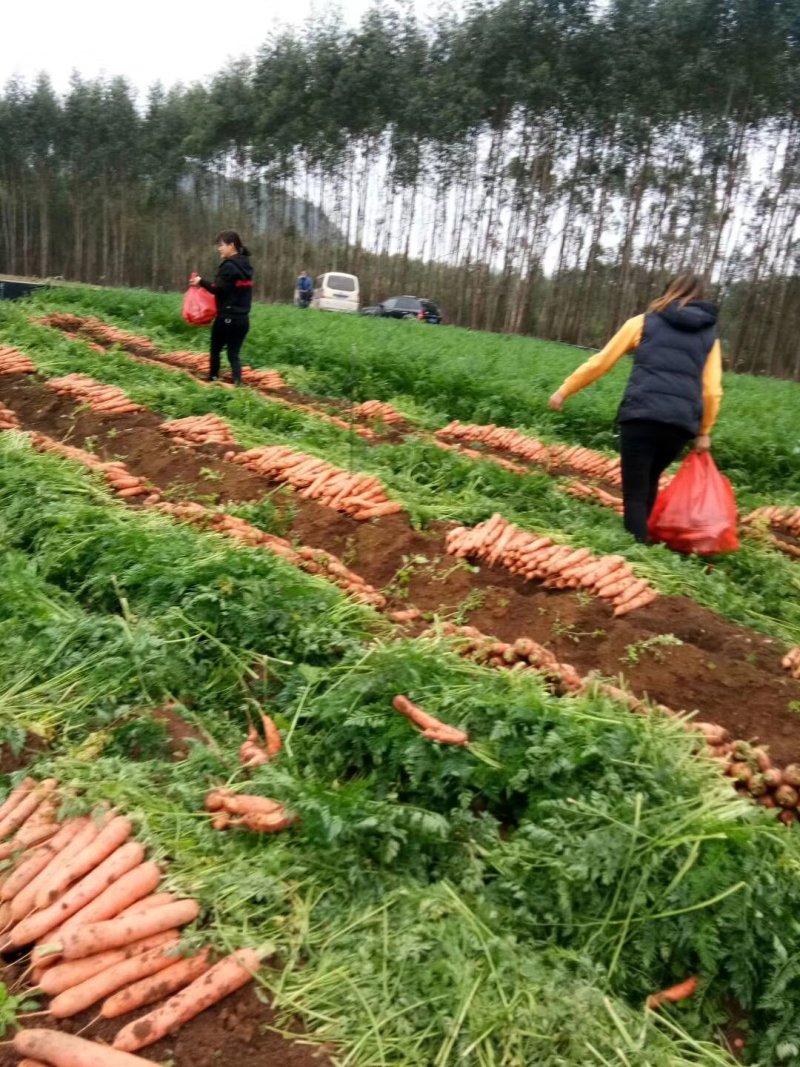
336, 292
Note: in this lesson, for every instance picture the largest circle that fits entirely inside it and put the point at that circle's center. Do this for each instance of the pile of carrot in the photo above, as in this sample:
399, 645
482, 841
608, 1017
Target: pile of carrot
8, 419
83, 894
785, 520
359, 495
13, 362
104, 399
311, 560
333, 420
263, 379
430, 727
197, 362
558, 566
522, 654
253, 752
259, 814
595, 493
375, 409
126, 485
199, 430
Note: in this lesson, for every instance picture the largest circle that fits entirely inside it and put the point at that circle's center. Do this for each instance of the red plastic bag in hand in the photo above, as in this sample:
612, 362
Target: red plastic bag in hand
199, 306
697, 510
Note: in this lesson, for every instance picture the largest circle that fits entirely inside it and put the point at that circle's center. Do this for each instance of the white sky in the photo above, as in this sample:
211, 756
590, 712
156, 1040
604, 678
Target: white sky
148, 40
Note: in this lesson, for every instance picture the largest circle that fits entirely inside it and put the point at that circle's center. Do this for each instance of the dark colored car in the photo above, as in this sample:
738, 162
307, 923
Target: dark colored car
406, 307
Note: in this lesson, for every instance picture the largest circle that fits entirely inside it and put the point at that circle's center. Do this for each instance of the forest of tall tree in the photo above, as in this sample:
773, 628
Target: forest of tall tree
536, 166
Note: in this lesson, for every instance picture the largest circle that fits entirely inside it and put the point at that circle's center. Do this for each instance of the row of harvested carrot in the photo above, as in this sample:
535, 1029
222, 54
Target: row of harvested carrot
199, 430
359, 495
595, 494
83, 894
376, 409
104, 399
97, 330
133, 487
12, 361
559, 566
750, 766
505, 439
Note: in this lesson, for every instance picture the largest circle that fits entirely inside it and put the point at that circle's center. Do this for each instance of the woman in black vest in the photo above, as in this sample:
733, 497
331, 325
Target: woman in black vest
673, 393
233, 290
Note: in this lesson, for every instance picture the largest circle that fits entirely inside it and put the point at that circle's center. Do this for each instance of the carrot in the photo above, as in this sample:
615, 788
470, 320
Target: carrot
673, 994
24, 902
446, 735
38, 827
414, 713
15, 796
241, 803
154, 900
113, 933
123, 893
266, 824
110, 837
641, 601
94, 883
69, 973
148, 990
224, 978
138, 491
64, 1050
31, 1063
271, 735
27, 805
27, 870
79, 997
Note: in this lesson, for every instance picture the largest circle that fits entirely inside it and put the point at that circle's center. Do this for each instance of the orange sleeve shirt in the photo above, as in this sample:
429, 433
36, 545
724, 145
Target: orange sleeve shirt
625, 340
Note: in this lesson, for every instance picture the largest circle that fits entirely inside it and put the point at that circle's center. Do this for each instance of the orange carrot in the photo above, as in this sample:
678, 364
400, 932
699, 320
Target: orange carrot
109, 838
114, 933
271, 735
266, 824
640, 601
241, 803
113, 867
15, 796
79, 997
154, 900
148, 990
27, 805
120, 895
24, 902
414, 713
70, 973
27, 870
64, 1050
673, 994
224, 978
38, 827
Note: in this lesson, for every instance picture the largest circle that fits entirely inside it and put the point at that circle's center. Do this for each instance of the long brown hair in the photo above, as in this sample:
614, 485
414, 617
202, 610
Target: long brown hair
683, 288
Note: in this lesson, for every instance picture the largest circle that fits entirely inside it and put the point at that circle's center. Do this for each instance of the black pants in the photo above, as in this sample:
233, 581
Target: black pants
228, 332
647, 449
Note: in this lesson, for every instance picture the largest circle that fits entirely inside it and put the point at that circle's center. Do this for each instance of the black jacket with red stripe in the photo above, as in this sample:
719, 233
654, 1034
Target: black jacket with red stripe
233, 286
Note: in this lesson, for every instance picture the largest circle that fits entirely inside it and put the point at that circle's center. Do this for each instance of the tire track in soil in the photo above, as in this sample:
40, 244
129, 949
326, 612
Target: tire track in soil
731, 674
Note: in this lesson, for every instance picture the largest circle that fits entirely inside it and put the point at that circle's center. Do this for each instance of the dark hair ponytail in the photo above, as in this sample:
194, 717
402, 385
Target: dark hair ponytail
231, 237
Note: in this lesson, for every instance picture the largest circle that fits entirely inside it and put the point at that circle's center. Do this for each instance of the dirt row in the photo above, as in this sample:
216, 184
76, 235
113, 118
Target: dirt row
672, 651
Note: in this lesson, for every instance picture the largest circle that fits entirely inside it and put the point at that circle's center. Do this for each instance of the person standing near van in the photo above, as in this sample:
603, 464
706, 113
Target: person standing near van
233, 289
304, 289
673, 394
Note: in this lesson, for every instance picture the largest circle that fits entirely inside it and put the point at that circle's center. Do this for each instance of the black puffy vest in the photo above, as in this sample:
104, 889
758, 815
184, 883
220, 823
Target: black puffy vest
666, 383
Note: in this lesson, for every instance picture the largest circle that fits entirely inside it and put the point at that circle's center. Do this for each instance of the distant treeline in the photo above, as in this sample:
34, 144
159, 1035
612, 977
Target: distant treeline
536, 166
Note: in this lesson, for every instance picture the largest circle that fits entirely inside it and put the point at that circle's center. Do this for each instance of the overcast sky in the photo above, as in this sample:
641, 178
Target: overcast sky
148, 40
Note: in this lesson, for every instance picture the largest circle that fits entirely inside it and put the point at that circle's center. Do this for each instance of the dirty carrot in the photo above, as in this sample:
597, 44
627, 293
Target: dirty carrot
15, 796
114, 933
173, 978
27, 870
124, 892
79, 997
24, 902
117, 831
222, 979
70, 973
64, 1050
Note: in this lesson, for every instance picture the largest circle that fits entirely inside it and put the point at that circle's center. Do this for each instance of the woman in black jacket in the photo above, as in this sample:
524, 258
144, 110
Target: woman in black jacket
233, 289
673, 394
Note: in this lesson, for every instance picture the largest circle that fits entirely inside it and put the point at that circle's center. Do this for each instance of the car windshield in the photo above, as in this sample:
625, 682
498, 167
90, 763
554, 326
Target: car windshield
342, 282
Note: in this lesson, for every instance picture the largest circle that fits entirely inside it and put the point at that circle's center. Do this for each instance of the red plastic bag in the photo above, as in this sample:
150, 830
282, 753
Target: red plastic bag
199, 306
697, 510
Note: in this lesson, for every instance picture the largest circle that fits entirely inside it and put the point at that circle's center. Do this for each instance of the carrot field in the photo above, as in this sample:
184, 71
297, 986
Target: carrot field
525, 773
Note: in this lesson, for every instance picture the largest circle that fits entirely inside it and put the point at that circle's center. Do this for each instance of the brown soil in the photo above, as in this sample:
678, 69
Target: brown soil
233, 1031
730, 674
12, 759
